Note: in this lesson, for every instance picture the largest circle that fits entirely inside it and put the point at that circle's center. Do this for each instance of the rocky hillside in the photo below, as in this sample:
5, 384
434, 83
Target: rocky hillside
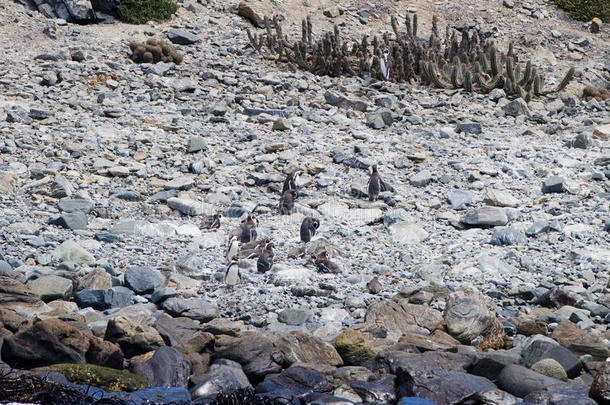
480, 274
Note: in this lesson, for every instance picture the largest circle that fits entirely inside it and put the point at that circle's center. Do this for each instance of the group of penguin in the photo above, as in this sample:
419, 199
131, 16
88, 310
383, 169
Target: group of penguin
243, 243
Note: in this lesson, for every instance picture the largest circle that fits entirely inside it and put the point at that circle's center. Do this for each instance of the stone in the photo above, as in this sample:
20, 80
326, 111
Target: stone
581, 141
500, 198
166, 368
17, 296
187, 206
580, 342
331, 12
115, 297
222, 376
380, 119
520, 381
468, 317
176, 330
554, 184
182, 37
407, 233
373, 392
45, 342
508, 3
196, 144
485, 217
196, 308
97, 279
73, 220
550, 368
253, 11
281, 124
354, 348
70, 251
103, 377
516, 107
460, 199
51, 287
143, 280
304, 348
507, 236
396, 318
600, 389
255, 351
602, 132
294, 316
299, 380
134, 335
73, 205
421, 179
473, 128
542, 349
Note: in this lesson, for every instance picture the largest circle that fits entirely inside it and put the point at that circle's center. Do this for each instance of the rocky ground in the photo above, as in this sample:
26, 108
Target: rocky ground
492, 249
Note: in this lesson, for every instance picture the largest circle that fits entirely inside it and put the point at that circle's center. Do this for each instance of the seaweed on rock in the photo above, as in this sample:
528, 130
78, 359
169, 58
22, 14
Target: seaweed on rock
471, 62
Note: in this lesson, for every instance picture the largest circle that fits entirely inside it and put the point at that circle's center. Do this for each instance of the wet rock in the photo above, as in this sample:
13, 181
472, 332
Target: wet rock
372, 392
222, 376
166, 368
600, 389
520, 381
298, 380
47, 341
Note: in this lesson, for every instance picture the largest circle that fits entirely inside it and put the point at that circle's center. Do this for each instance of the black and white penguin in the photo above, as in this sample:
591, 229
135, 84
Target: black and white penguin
246, 232
291, 180
374, 184
308, 228
325, 265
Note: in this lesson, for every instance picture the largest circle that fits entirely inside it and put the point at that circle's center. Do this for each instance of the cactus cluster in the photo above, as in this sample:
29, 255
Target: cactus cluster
454, 60
153, 51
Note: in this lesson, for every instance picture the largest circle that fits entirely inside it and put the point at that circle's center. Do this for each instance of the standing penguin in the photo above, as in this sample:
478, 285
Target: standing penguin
291, 180
233, 248
265, 260
374, 184
232, 274
385, 64
246, 231
287, 202
308, 228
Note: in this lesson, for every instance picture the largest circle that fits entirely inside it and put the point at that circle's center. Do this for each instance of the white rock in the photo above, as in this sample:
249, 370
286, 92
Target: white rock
407, 232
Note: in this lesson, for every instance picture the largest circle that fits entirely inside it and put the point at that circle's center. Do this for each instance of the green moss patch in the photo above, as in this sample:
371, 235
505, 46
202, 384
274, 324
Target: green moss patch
142, 11
586, 10
108, 379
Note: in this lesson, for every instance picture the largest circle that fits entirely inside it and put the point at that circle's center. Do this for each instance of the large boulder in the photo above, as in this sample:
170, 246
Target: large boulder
167, 367
296, 379
51, 287
354, 348
45, 342
470, 319
222, 376
134, 335
570, 336
143, 280
176, 330
397, 317
256, 352
304, 348
17, 296
600, 389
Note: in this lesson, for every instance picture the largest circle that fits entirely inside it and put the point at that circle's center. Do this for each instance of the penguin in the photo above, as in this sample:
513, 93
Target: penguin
374, 184
265, 260
233, 248
253, 249
308, 228
211, 221
325, 265
385, 64
246, 232
287, 202
232, 274
291, 181
374, 286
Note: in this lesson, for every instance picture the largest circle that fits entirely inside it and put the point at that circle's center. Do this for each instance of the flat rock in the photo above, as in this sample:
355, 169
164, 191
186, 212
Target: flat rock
182, 37
485, 217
